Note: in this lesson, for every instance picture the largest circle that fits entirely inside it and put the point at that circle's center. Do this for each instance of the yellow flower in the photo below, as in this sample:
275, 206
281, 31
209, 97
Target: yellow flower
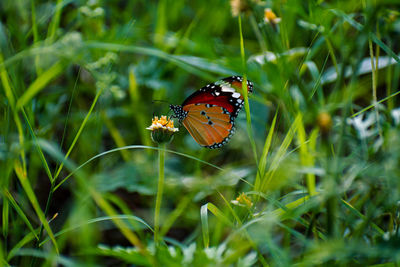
270, 17
324, 121
243, 199
162, 130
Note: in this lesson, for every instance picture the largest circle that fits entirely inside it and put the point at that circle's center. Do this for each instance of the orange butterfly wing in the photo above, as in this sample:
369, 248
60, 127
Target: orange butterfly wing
210, 125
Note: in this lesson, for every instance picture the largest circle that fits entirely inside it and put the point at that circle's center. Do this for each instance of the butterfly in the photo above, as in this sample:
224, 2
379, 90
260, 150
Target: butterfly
209, 114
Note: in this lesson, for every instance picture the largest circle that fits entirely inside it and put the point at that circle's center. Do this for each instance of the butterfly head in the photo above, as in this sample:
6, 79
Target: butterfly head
180, 114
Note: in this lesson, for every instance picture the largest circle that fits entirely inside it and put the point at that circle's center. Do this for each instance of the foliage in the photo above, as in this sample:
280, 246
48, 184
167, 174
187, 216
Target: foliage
316, 153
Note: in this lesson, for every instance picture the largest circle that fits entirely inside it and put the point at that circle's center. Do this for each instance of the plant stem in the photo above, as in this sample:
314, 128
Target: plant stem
161, 160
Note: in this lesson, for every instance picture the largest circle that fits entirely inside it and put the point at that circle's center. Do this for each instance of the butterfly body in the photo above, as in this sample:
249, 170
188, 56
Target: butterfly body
209, 114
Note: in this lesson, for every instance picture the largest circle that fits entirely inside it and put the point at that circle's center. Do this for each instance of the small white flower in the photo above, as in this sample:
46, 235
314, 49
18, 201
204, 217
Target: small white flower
362, 126
270, 17
396, 115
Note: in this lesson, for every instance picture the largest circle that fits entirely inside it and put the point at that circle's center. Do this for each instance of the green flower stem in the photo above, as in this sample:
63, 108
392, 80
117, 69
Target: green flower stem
161, 160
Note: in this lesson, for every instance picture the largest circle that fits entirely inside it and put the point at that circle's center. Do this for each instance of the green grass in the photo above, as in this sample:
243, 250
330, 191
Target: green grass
316, 152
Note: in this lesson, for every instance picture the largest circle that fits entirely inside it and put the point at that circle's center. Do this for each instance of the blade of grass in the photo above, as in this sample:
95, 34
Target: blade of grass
142, 147
6, 83
116, 136
21, 139
374, 73
239, 222
39, 84
55, 22
19, 211
204, 225
374, 104
82, 126
281, 212
204, 220
161, 24
126, 210
4, 218
109, 210
362, 216
263, 159
27, 239
280, 154
40, 152
230, 208
78, 76
150, 52
3, 261
57, 259
245, 93
32, 198
219, 214
160, 190
35, 35
306, 158
331, 53
174, 215
359, 27
9, 92
98, 220
103, 204
317, 76
138, 108
257, 33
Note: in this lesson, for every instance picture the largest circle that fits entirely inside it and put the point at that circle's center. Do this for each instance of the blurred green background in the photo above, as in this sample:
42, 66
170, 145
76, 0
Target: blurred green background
316, 154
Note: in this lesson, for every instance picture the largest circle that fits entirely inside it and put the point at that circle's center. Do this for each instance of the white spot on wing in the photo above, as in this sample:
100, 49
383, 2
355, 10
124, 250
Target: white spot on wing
227, 89
236, 95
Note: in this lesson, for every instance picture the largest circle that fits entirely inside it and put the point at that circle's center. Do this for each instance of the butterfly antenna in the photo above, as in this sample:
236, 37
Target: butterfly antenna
162, 101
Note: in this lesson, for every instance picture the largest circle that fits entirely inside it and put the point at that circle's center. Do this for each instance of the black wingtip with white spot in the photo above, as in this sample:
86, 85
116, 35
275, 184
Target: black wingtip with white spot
240, 79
